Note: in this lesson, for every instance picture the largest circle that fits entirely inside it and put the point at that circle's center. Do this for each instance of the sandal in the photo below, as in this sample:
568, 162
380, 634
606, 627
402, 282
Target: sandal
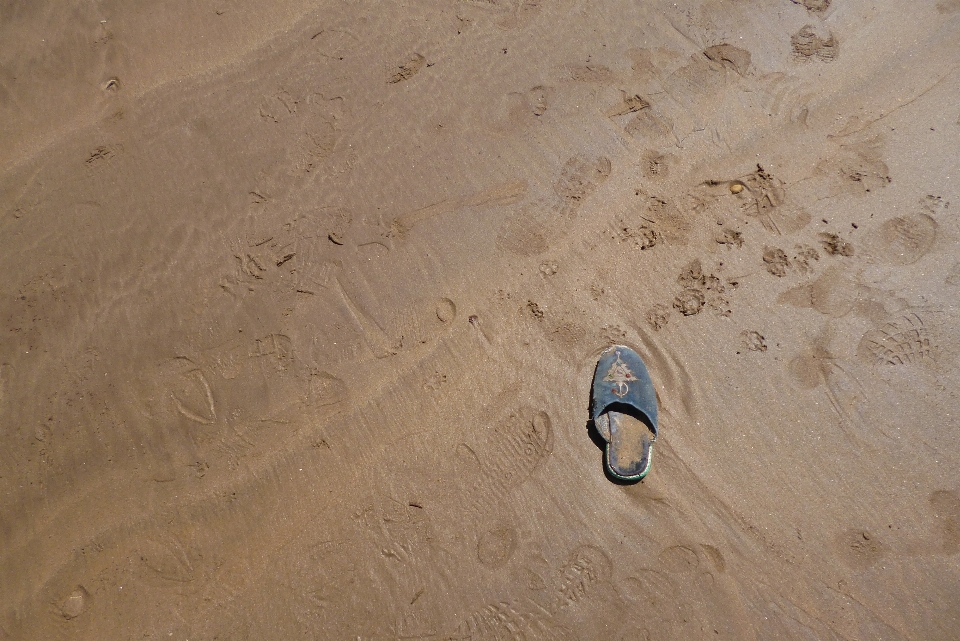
624, 411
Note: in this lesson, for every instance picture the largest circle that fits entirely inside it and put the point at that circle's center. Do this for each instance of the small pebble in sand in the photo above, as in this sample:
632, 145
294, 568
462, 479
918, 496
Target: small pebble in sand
736, 188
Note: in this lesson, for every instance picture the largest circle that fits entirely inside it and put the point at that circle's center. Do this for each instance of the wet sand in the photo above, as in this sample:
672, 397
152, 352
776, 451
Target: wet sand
302, 303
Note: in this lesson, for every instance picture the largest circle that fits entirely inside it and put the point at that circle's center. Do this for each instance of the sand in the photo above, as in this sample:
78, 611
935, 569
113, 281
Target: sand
302, 301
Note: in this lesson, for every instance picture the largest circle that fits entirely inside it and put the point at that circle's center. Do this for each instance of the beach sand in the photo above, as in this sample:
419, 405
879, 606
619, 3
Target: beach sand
302, 301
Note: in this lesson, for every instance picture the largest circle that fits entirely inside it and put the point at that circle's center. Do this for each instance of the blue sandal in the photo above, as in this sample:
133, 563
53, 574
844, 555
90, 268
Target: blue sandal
624, 411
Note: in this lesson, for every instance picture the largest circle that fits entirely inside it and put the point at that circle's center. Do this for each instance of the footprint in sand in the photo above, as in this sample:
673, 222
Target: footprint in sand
855, 169
662, 610
902, 240
74, 604
904, 340
496, 546
520, 442
814, 43
530, 231
580, 177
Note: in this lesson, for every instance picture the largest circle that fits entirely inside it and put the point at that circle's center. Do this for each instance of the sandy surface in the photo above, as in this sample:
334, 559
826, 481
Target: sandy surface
301, 304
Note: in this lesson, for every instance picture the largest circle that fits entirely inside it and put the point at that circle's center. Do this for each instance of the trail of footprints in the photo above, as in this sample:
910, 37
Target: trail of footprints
526, 618
551, 609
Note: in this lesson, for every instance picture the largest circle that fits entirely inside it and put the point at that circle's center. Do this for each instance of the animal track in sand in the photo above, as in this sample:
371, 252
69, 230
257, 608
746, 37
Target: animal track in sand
859, 549
777, 262
689, 302
700, 289
753, 341
568, 333
435, 381
640, 234
549, 268
803, 256
102, 157
834, 245
816, 6
729, 237
728, 55
655, 165
658, 316
408, 69
279, 106
764, 197
662, 220
613, 334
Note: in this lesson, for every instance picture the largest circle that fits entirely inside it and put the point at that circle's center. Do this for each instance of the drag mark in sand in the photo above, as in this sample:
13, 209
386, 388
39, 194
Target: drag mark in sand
501, 194
189, 390
374, 336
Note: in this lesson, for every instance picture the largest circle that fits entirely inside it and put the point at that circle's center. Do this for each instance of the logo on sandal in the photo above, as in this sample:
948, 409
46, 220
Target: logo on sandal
620, 374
